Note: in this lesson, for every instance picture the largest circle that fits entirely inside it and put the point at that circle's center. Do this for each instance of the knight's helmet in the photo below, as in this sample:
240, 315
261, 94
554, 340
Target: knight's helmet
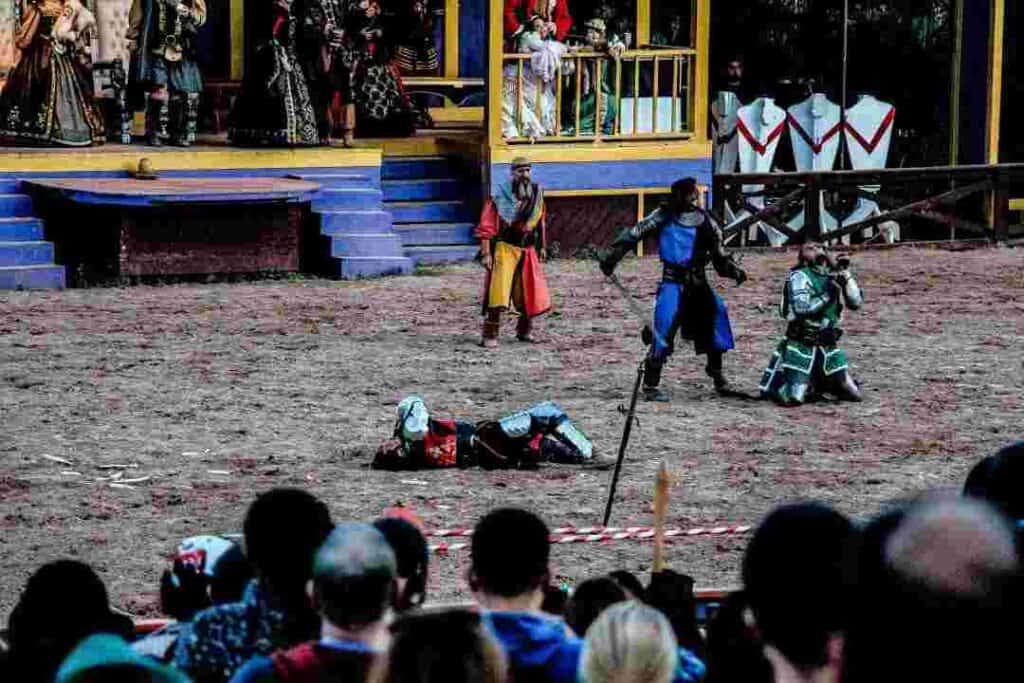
413, 419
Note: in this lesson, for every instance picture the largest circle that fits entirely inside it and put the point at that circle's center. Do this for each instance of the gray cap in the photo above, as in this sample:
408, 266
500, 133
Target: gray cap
353, 550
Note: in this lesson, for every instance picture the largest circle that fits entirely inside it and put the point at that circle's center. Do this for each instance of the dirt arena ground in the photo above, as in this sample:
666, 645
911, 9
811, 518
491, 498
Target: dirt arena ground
205, 395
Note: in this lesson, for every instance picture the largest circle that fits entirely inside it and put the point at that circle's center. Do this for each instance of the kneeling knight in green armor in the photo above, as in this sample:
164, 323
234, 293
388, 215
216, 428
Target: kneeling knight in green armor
809, 362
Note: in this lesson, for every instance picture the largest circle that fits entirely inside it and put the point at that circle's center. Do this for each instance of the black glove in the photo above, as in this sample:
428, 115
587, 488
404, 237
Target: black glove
740, 276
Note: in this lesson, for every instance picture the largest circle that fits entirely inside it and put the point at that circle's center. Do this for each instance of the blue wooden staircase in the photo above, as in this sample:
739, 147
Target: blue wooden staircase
26, 260
434, 207
351, 218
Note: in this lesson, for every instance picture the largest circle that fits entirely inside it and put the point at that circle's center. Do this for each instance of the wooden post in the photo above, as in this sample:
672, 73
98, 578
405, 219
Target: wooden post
812, 207
660, 513
1000, 205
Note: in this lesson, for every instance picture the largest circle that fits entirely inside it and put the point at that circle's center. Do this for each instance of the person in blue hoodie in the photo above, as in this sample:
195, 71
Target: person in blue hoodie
508, 574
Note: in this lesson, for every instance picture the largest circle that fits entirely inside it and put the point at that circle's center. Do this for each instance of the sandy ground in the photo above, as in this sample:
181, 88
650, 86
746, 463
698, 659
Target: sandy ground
212, 393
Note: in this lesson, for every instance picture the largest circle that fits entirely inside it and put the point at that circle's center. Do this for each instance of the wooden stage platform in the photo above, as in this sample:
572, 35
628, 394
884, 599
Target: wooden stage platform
110, 228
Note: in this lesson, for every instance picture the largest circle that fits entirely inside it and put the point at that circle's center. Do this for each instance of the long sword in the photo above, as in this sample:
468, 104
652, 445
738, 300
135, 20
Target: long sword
635, 308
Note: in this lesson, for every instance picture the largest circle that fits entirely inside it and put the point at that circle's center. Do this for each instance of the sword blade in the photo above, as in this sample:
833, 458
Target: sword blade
642, 316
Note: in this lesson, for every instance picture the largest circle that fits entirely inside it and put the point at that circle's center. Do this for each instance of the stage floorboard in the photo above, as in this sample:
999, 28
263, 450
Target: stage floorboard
206, 394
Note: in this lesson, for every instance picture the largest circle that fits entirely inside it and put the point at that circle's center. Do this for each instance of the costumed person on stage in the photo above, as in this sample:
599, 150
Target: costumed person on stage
512, 247
686, 303
519, 17
809, 362
273, 107
415, 49
161, 38
382, 107
48, 98
326, 54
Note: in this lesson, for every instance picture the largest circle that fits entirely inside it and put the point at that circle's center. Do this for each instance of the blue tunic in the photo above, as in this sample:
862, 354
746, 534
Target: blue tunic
686, 242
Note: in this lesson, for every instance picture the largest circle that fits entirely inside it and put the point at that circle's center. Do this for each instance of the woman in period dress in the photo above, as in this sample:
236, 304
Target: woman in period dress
382, 107
532, 112
274, 107
48, 98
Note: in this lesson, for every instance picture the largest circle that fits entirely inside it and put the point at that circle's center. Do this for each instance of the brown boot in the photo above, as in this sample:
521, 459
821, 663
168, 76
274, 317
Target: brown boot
524, 330
492, 327
348, 128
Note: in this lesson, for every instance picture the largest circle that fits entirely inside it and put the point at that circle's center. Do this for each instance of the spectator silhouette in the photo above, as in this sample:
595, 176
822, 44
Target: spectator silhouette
589, 600
999, 479
63, 603
412, 555
451, 646
106, 658
283, 529
793, 579
509, 572
353, 585
629, 643
943, 604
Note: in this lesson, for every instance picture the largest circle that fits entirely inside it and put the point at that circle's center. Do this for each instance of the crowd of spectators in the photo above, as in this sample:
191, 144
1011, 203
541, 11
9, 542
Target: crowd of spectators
930, 590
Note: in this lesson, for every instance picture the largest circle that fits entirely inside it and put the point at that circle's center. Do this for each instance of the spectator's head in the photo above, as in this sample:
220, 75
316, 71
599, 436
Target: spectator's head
949, 583
793, 579
412, 556
63, 602
634, 589
629, 642
509, 556
539, 25
734, 649
596, 32
283, 529
207, 570
354, 577
999, 479
443, 647
589, 600
105, 658
685, 195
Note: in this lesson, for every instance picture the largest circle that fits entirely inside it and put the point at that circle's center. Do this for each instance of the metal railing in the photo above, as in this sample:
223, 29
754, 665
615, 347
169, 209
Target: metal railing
641, 95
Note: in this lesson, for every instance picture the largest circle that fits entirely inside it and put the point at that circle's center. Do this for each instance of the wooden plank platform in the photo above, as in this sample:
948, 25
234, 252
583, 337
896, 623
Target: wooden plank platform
162, 191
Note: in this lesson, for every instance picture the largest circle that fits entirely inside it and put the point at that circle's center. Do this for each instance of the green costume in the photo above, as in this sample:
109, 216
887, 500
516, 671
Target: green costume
809, 361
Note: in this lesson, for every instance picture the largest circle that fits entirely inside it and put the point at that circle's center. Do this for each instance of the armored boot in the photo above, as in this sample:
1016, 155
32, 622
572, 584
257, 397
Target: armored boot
845, 388
184, 114
652, 378
714, 371
157, 119
524, 328
492, 327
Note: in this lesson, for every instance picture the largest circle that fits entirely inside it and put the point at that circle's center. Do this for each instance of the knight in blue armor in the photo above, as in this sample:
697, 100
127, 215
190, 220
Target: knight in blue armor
686, 304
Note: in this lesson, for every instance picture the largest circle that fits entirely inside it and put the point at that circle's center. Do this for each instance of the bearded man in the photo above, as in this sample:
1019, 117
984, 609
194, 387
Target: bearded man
686, 304
512, 247
808, 361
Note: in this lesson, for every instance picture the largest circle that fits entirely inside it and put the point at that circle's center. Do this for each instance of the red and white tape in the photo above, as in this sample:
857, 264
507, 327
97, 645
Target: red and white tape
594, 534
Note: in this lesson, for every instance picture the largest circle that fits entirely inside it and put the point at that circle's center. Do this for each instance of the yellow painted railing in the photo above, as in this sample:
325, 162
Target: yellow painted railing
641, 95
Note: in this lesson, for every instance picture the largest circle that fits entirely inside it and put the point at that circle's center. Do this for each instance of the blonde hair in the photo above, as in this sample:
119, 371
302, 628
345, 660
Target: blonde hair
629, 643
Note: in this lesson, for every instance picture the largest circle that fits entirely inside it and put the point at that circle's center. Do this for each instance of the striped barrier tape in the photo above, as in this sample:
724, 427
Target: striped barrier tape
597, 534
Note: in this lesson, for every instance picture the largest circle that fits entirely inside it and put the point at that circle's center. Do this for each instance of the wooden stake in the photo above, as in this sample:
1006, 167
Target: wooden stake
660, 513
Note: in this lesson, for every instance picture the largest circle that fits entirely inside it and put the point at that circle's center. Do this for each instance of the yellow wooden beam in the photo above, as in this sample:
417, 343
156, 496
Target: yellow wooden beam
643, 22
451, 38
701, 86
606, 151
995, 80
495, 50
237, 37
1017, 205
610, 192
126, 158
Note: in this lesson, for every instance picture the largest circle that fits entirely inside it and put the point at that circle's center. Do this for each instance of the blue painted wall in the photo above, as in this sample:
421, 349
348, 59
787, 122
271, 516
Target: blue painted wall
607, 175
473, 38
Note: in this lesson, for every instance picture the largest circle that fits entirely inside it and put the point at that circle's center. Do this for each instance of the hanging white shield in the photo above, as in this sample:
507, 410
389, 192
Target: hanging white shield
814, 129
725, 150
869, 126
759, 127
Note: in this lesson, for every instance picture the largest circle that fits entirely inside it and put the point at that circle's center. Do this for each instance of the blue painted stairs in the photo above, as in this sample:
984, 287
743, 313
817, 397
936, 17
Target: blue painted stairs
433, 206
350, 216
26, 260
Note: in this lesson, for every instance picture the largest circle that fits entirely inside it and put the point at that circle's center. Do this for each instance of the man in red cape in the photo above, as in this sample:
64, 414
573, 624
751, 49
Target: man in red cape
554, 12
512, 245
